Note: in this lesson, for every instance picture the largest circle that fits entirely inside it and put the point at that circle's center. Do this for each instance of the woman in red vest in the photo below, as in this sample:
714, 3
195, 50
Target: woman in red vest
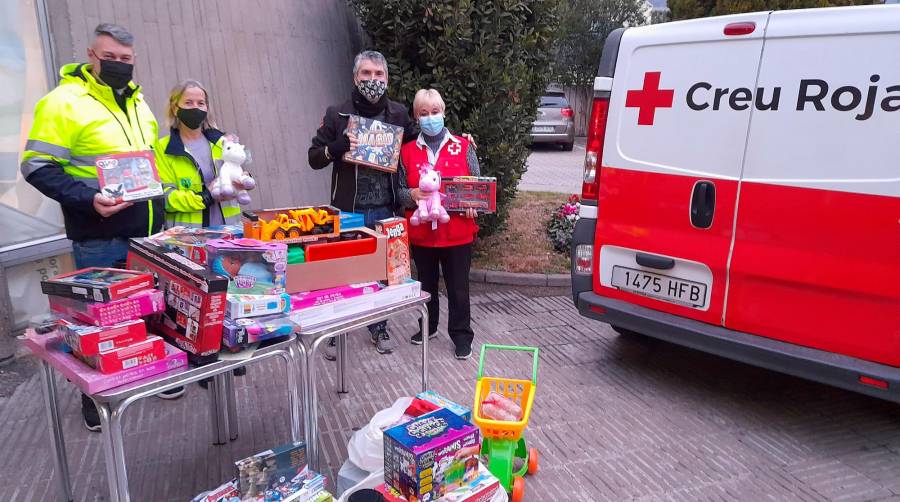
448, 247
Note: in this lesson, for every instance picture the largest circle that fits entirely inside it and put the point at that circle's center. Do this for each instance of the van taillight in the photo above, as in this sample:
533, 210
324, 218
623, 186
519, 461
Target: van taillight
567, 113
590, 187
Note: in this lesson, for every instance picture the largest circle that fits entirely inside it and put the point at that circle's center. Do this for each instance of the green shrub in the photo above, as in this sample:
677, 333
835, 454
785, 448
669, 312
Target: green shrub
490, 60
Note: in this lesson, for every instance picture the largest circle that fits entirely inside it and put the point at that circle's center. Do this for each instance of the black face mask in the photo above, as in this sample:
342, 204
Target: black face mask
192, 118
116, 74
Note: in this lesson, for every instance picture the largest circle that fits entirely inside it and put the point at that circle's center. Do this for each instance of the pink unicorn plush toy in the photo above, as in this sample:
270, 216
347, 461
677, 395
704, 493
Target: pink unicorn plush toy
430, 208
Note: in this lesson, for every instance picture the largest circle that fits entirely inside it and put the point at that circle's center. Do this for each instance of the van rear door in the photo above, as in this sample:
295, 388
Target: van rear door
668, 182
817, 249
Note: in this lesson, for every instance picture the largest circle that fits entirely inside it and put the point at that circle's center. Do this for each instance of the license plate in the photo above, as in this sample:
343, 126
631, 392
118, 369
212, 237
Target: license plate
542, 129
662, 287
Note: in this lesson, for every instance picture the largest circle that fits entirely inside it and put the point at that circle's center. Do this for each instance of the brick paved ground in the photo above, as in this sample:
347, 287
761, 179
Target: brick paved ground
616, 418
552, 170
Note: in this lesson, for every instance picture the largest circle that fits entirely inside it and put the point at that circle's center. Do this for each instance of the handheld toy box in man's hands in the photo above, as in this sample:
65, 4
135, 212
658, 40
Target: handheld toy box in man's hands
398, 266
431, 455
140, 304
129, 177
253, 267
470, 192
378, 143
98, 284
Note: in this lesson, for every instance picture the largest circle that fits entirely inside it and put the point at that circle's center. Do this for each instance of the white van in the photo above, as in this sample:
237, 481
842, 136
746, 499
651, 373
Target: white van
742, 191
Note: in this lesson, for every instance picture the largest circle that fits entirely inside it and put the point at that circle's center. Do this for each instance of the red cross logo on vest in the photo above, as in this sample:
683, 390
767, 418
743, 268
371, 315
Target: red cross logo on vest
648, 99
454, 148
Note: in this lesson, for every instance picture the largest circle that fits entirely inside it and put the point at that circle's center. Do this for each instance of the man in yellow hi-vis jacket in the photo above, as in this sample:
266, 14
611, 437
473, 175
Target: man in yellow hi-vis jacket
95, 110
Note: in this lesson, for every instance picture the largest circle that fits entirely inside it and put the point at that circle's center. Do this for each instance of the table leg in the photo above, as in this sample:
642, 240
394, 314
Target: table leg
423, 312
58, 442
215, 411
109, 454
294, 374
342, 363
231, 404
312, 440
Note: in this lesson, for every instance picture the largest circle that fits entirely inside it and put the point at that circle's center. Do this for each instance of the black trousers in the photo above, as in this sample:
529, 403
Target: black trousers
454, 263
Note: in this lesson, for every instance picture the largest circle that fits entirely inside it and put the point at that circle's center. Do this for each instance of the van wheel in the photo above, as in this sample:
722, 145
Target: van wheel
625, 332
567, 147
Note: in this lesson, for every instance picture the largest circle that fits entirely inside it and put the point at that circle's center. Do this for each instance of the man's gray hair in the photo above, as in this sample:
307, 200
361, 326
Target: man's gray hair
373, 56
118, 33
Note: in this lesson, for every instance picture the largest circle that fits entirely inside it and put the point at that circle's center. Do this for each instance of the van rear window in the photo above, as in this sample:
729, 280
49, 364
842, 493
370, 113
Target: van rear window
554, 102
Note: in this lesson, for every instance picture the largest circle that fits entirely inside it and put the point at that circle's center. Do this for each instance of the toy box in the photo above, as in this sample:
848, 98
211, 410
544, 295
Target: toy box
129, 177
189, 242
240, 306
238, 334
91, 381
253, 267
398, 267
228, 492
92, 340
270, 468
428, 457
149, 350
309, 299
378, 143
292, 224
348, 245
140, 304
349, 220
194, 300
439, 400
464, 192
98, 284
330, 273
482, 488
311, 317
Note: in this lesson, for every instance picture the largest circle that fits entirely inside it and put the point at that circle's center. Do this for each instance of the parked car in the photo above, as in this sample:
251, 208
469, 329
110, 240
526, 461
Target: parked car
741, 194
554, 122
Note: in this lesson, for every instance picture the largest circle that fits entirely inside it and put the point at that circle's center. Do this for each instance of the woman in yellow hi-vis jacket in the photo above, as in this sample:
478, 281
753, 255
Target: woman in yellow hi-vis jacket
188, 160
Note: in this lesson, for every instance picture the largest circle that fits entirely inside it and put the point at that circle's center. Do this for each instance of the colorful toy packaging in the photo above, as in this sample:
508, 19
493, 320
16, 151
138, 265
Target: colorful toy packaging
189, 242
252, 267
150, 350
98, 284
228, 492
291, 225
325, 296
269, 469
129, 177
480, 489
464, 192
140, 304
378, 144
398, 266
430, 456
92, 340
240, 306
194, 299
442, 402
238, 334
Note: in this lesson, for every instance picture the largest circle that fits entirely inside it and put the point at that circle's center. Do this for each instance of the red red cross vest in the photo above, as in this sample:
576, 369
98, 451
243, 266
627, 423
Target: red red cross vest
451, 161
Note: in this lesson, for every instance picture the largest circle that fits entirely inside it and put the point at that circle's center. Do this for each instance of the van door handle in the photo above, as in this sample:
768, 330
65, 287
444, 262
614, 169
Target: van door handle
653, 261
703, 204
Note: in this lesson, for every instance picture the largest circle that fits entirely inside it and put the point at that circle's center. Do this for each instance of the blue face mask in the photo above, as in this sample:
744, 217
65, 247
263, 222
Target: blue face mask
432, 125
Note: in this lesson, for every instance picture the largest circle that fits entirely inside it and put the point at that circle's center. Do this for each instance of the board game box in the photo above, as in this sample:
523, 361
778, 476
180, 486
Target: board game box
378, 143
267, 469
92, 340
465, 192
129, 177
398, 256
140, 304
147, 351
98, 284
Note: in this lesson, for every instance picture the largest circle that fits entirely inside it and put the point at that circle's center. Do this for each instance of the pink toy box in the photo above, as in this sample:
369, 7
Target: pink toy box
325, 296
92, 340
147, 302
432, 455
253, 267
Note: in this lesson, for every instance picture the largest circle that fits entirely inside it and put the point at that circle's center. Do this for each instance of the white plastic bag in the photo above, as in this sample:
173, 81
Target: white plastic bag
371, 481
366, 446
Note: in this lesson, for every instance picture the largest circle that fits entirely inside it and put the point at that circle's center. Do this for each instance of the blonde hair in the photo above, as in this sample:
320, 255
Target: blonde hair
425, 97
175, 97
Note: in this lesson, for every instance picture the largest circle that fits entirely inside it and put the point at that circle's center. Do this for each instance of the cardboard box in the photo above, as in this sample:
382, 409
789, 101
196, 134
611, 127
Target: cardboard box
129, 176
399, 269
147, 351
439, 400
141, 304
420, 456
310, 276
240, 306
195, 300
291, 225
98, 284
253, 267
269, 469
482, 488
238, 334
92, 340
319, 297
190, 242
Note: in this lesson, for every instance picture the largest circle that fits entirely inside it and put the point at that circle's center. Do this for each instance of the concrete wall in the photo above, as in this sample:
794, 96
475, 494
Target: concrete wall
272, 66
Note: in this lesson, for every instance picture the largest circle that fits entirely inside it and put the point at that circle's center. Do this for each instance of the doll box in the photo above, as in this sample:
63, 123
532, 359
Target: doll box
129, 177
140, 304
240, 306
92, 340
465, 192
323, 274
98, 284
238, 334
147, 351
421, 456
398, 254
253, 267
292, 225
194, 299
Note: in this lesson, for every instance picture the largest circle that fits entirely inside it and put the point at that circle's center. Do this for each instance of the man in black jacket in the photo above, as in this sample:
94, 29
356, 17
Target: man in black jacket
354, 188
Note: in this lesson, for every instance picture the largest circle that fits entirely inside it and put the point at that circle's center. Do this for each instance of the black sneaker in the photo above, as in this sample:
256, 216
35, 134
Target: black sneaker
330, 352
90, 414
463, 353
383, 342
171, 393
417, 338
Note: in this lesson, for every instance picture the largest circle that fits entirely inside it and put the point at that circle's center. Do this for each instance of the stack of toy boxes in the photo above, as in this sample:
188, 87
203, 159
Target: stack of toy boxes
280, 474
102, 312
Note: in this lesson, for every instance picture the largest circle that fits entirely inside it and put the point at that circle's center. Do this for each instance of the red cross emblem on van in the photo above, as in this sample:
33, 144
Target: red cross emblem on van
648, 99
